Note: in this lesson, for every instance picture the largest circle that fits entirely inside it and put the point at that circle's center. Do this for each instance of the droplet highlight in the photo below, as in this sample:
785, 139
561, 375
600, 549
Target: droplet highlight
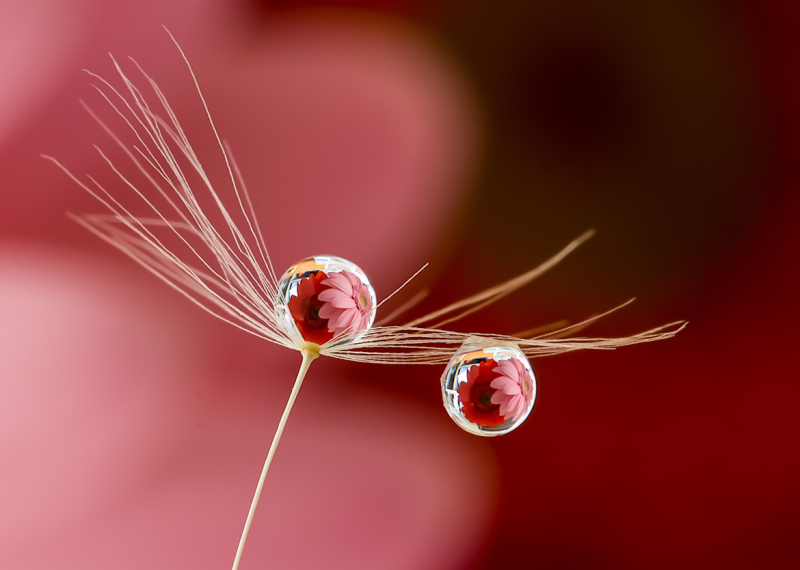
488, 390
322, 298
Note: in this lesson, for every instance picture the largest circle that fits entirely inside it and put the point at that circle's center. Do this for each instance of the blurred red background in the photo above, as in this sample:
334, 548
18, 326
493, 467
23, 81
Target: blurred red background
481, 139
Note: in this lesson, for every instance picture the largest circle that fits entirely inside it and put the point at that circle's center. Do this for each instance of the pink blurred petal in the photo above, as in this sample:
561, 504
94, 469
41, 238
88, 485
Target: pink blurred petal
92, 377
370, 106
44, 44
338, 495
408, 128
37, 38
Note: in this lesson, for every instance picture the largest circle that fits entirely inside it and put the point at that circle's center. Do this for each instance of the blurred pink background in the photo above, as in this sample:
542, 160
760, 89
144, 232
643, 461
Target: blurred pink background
133, 426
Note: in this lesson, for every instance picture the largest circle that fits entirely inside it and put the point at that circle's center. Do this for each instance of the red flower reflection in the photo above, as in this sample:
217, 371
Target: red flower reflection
476, 394
305, 307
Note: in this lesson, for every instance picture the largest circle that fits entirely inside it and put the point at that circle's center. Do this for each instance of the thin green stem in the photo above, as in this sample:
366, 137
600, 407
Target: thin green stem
308, 358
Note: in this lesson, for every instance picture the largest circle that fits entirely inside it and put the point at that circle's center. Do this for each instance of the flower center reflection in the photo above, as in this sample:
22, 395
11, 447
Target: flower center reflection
482, 396
476, 394
305, 308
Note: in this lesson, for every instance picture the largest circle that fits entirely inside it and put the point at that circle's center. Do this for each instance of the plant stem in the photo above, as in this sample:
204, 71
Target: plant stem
308, 357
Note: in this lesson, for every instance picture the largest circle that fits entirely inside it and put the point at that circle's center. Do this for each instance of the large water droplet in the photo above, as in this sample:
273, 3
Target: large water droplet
488, 389
323, 297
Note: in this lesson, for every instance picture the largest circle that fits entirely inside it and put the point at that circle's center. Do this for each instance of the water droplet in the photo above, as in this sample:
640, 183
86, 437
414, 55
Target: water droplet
323, 297
488, 389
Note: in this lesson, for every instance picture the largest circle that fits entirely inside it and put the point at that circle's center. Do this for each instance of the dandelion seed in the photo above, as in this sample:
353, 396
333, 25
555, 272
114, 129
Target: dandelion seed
321, 306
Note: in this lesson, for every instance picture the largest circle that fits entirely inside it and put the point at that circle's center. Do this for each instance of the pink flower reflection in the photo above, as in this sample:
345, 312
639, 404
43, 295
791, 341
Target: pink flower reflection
514, 388
347, 303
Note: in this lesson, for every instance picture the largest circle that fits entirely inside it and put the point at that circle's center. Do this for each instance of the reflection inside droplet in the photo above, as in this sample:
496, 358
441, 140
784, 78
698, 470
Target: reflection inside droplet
324, 297
488, 390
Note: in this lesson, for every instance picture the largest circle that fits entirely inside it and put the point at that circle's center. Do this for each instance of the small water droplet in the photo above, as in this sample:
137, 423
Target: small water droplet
488, 389
322, 297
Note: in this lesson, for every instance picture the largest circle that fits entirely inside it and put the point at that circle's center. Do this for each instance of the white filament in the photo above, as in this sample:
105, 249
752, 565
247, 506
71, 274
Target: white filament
229, 273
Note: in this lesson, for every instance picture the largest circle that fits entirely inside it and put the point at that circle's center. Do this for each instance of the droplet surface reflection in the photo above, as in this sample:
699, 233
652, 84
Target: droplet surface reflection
488, 390
324, 297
